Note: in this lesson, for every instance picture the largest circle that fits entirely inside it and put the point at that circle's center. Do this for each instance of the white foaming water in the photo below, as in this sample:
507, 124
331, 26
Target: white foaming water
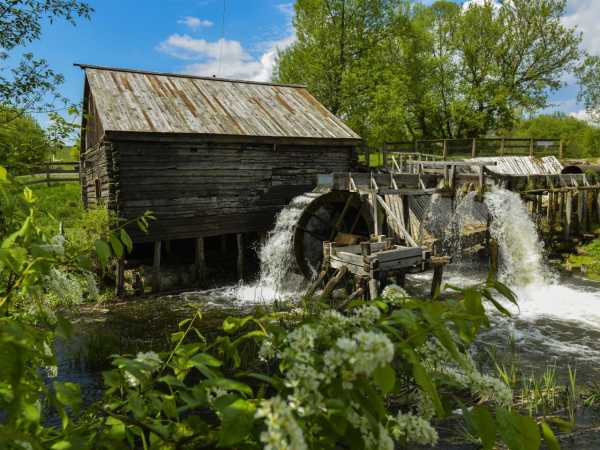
277, 279
522, 268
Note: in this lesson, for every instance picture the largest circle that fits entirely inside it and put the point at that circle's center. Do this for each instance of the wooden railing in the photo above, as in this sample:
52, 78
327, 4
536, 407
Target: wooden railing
43, 173
444, 149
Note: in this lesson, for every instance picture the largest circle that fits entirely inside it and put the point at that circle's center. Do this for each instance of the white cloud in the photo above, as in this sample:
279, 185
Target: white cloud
286, 8
585, 15
582, 114
194, 22
224, 58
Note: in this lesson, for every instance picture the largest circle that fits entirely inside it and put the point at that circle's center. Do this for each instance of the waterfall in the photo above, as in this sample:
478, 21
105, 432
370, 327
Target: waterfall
277, 279
521, 251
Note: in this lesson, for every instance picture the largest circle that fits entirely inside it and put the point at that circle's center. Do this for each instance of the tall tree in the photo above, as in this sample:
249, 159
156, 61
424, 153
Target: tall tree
30, 84
398, 69
589, 83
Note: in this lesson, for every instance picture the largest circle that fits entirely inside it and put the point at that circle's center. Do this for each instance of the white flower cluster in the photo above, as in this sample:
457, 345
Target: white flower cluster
64, 288
283, 432
486, 387
382, 441
394, 295
409, 428
358, 355
146, 363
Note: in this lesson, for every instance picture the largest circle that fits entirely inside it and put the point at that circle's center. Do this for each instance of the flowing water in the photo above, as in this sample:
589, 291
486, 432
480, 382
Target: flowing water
557, 322
558, 317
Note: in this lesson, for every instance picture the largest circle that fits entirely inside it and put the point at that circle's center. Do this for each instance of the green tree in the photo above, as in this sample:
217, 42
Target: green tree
588, 75
23, 142
580, 138
399, 69
31, 84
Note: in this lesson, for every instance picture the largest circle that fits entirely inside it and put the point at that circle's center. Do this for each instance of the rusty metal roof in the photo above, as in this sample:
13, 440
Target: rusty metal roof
523, 165
136, 101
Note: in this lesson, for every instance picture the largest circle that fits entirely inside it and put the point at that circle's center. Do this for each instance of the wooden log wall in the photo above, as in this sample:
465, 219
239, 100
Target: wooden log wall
199, 189
95, 178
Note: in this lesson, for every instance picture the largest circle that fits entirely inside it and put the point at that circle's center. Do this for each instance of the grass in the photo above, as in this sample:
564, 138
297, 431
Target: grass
587, 260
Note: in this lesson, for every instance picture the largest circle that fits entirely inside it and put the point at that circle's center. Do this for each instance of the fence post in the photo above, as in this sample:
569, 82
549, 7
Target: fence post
501, 146
474, 148
530, 146
445, 149
561, 149
48, 174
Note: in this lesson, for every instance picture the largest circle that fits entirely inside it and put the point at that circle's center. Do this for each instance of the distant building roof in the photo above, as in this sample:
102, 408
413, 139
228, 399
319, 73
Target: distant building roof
523, 165
150, 102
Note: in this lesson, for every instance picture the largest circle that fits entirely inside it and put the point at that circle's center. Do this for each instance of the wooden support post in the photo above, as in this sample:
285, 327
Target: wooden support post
474, 148
48, 174
561, 207
156, 266
436, 282
561, 151
531, 147
326, 255
376, 229
445, 149
200, 260
120, 277
568, 213
493, 251
580, 212
313, 287
373, 288
551, 211
240, 255
401, 279
589, 207
334, 281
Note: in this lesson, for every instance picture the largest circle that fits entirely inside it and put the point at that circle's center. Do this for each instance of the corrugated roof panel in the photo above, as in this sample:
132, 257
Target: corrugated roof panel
168, 103
523, 165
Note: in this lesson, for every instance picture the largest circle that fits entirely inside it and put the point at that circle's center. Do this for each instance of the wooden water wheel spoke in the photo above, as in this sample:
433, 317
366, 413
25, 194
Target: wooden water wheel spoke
313, 228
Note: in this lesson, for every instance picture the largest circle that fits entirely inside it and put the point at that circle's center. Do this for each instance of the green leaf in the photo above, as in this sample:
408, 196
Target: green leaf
126, 240
385, 377
483, 423
426, 383
3, 174
237, 420
549, 437
472, 300
505, 291
487, 294
530, 433
116, 245
31, 412
103, 251
231, 324
229, 385
509, 425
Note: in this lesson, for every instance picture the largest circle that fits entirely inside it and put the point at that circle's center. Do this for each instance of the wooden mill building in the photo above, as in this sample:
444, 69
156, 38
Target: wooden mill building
208, 156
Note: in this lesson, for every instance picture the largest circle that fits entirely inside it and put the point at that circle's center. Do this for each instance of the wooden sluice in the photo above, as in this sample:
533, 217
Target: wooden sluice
399, 199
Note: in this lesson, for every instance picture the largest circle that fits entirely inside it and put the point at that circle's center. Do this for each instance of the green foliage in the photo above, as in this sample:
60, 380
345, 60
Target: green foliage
31, 84
587, 259
368, 378
399, 70
581, 139
23, 142
588, 74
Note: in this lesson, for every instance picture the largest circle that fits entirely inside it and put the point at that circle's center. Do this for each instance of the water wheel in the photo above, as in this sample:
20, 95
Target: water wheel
339, 216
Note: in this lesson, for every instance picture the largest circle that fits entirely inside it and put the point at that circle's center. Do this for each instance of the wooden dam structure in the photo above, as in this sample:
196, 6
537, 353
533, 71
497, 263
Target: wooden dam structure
218, 159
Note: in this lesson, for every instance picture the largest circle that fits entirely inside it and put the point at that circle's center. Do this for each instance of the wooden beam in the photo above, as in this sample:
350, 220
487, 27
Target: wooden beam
200, 260
391, 214
156, 266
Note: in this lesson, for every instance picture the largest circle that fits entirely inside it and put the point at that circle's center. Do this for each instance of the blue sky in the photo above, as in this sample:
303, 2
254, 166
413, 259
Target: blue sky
186, 36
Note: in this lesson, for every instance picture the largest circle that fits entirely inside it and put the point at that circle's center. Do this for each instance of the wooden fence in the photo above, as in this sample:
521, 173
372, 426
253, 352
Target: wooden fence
43, 173
446, 149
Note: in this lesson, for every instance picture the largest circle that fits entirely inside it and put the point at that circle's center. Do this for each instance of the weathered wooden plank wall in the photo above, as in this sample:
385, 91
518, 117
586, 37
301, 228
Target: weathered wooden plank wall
198, 189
